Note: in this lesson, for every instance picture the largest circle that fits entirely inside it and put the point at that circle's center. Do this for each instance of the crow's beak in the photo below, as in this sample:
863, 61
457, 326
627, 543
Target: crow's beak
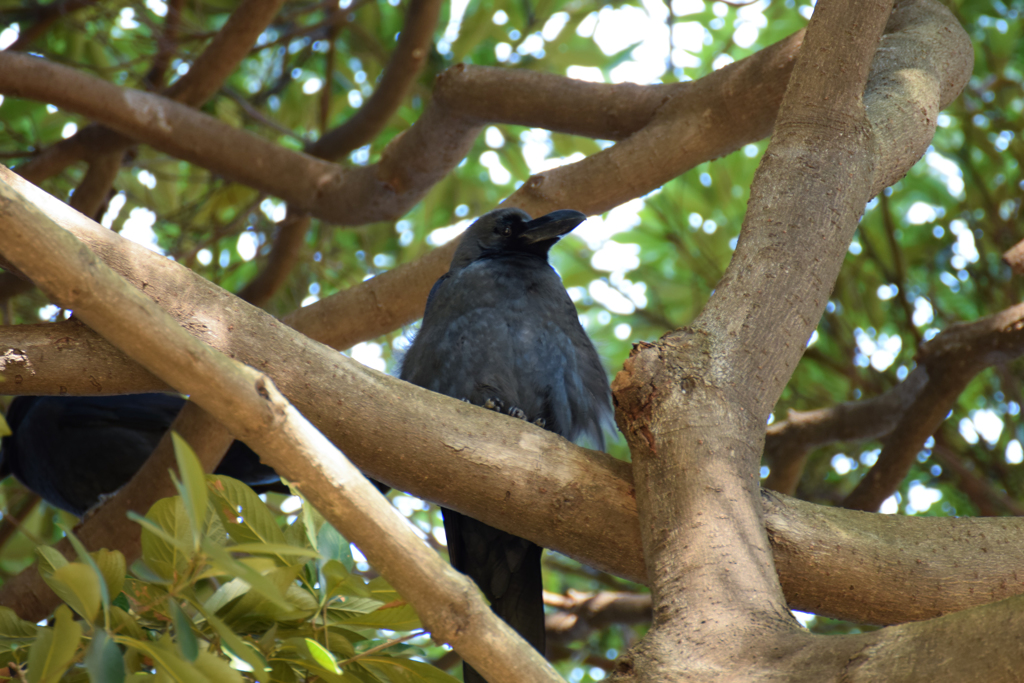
552, 226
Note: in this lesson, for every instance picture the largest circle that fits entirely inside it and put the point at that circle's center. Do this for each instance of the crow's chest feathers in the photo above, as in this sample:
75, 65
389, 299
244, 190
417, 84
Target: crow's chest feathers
523, 289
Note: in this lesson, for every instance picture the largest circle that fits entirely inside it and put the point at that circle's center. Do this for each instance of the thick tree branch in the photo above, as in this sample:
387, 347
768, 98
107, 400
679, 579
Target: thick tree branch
396, 298
693, 406
247, 401
900, 568
923, 62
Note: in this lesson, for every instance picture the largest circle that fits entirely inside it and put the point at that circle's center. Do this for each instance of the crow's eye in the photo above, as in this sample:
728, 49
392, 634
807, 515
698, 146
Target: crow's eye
505, 231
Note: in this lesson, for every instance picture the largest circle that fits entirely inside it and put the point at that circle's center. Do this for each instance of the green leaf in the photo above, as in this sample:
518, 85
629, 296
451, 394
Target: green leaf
280, 549
341, 641
312, 519
111, 565
54, 649
79, 586
258, 582
297, 652
124, 623
187, 643
253, 611
49, 559
399, 617
166, 537
394, 613
237, 649
217, 669
226, 594
142, 571
103, 659
333, 546
295, 534
192, 486
167, 658
4, 429
91, 562
244, 516
401, 670
335, 580
14, 627
353, 606
282, 672
322, 656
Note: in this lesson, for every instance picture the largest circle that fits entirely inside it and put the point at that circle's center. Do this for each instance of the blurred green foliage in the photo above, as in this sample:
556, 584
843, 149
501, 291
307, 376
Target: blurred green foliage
927, 255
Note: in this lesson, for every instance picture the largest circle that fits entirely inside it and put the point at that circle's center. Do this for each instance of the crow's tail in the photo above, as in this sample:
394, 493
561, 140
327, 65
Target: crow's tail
507, 569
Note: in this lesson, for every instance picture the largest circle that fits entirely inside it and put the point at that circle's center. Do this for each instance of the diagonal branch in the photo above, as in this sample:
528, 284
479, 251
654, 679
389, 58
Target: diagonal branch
990, 498
284, 254
166, 46
580, 614
922, 64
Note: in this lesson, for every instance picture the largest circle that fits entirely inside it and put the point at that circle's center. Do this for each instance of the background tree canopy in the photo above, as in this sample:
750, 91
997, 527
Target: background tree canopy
345, 82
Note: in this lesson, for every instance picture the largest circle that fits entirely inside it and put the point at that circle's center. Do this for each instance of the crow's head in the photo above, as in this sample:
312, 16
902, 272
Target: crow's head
513, 231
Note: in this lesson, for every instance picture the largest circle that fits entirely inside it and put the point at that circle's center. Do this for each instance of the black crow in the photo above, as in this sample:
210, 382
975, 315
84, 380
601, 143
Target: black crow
501, 332
72, 450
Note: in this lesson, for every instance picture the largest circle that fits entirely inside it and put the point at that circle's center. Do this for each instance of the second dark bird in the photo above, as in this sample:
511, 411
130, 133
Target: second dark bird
72, 450
500, 331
